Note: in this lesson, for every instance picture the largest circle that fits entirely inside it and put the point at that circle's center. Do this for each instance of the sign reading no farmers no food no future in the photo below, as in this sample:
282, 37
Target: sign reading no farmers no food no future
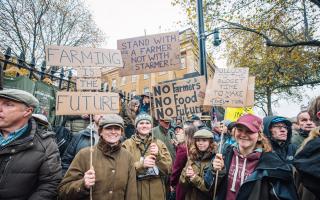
179, 98
148, 54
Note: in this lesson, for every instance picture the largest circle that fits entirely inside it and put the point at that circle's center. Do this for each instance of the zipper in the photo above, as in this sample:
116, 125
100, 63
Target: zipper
4, 170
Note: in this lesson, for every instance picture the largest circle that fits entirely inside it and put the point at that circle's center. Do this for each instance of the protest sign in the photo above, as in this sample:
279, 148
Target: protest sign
148, 54
179, 98
88, 84
250, 92
77, 103
78, 56
228, 88
233, 114
88, 72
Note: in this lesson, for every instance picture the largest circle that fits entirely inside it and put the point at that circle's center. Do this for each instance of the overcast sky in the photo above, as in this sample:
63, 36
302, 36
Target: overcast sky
120, 19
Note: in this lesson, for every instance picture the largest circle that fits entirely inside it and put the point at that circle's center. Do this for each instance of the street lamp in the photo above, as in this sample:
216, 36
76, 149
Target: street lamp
202, 36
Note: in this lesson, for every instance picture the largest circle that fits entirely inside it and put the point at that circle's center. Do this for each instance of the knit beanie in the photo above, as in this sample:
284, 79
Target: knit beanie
142, 116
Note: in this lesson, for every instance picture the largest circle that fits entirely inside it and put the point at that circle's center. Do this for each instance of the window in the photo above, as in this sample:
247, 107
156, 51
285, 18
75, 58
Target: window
123, 80
133, 92
146, 76
145, 89
114, 83
105, 86
183, 62
134, 78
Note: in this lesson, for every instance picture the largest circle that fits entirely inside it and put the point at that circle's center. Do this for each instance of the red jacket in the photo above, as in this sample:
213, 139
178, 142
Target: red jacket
179, 164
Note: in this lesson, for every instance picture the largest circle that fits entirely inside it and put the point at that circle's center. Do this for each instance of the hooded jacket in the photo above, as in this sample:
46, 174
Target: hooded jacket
307, 163
271, 179
79, 141
152, 187
286, 151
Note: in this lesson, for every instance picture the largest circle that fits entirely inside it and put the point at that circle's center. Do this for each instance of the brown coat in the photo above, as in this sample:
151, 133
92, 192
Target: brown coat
154, 188
196, 189
114, 170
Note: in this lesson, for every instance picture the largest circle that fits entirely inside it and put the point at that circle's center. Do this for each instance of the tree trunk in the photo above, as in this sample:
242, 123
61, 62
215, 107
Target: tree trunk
269, 108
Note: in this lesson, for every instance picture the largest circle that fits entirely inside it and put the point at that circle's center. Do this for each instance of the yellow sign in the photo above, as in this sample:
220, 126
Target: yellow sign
233, 114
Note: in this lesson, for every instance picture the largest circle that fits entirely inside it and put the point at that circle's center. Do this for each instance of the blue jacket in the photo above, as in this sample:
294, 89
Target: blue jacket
272, 179
79, 141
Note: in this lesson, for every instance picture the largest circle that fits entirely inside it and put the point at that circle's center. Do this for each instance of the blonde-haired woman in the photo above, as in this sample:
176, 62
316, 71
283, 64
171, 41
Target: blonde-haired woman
249, 170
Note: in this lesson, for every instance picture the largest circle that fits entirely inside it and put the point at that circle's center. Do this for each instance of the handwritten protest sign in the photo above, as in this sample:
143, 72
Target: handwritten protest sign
179, 98
77, 103
147, 54
250, 92
233, 114
76, 57
88, 72
228, 88
88, 84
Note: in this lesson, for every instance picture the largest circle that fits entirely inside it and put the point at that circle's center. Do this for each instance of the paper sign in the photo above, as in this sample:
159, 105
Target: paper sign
179, 98
77, 56
78, 103
88, 84
233, 114
228, 88
88, 72
148, 54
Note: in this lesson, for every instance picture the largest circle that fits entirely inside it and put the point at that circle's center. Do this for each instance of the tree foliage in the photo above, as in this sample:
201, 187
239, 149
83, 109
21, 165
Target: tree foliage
277, 39
27, 26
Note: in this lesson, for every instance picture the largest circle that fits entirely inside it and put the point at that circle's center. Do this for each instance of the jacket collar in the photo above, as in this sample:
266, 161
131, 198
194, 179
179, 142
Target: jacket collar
107, 149
25, 141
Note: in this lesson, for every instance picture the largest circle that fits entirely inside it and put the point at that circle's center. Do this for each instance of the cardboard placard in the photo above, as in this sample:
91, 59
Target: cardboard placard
78, 103
250, 92
233, 114
228, 88
179, 98
88, 84
78, 56
88, 72
148, 54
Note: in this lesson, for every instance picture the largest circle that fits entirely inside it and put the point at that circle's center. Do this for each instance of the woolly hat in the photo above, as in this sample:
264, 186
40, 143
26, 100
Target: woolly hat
203, 133
142, 116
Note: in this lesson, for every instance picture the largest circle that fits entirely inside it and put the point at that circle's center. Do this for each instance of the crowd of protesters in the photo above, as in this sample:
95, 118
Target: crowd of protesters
134, 156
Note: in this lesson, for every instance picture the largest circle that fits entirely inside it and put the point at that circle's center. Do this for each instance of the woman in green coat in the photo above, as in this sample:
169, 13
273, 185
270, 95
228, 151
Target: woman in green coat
112, 175
152, 160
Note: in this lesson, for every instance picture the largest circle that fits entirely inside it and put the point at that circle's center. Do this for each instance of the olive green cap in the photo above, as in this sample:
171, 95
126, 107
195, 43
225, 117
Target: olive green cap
203, 133
111, 120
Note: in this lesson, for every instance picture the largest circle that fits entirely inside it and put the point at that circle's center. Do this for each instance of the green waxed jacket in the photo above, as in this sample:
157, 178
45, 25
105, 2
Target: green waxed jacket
163, 135
151, 188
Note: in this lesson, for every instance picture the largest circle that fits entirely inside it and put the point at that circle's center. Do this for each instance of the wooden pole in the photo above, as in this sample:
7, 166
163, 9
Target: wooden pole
219, 151
91, 150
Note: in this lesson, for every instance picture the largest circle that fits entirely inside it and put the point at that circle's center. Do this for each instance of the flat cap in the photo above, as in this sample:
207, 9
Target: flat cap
203, 133
20, 96
111, 120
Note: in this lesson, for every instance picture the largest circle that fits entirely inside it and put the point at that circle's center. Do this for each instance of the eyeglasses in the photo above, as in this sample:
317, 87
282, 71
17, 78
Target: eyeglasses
280, 126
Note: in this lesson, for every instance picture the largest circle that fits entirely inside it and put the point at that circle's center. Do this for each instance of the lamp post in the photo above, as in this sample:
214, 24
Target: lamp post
202, 36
